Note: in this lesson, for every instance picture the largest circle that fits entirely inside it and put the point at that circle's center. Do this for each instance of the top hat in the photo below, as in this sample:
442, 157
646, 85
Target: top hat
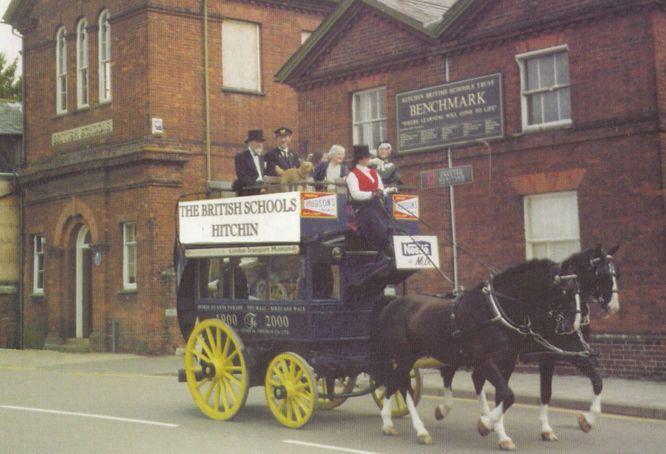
283, 131
360, 152
256, 135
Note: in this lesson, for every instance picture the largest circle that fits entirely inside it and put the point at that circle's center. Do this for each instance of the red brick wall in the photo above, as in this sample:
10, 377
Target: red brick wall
157, 71
612, 153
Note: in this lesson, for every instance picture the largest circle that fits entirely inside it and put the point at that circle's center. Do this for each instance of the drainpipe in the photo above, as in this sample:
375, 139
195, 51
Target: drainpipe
207, 92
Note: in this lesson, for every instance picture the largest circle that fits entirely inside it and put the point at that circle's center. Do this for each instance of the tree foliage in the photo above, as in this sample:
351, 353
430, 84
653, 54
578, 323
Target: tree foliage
10, 85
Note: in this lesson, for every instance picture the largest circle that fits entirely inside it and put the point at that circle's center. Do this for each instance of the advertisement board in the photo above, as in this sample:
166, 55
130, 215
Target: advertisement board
416, 252
267, 218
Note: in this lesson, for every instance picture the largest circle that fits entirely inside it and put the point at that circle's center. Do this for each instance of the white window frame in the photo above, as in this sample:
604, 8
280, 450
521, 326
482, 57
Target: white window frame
82, 79
530, 241
61, 71
127, 255
524, 93
104, 57
225, 84
38, 246
357, 122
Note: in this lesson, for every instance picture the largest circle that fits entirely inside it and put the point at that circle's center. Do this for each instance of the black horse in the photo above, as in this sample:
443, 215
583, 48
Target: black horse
475, 331
597, 277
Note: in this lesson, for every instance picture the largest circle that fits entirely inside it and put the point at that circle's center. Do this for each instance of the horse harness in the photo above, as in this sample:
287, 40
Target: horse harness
500, 316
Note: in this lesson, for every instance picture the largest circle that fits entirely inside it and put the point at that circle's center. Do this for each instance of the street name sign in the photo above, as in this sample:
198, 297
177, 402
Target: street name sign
447, 176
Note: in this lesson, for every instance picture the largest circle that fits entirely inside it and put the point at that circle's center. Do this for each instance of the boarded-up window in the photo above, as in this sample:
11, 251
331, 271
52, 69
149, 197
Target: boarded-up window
241, 68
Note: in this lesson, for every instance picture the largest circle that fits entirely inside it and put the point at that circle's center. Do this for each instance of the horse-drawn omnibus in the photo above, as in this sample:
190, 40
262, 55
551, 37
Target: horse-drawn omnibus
276, 290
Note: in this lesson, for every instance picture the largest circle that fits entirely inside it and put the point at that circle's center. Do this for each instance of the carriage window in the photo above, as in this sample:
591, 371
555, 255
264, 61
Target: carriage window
246, 278
325, 281
224, 279
285, 279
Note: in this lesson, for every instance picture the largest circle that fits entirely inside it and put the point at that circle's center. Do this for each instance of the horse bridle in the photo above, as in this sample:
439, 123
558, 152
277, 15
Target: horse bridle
612, 272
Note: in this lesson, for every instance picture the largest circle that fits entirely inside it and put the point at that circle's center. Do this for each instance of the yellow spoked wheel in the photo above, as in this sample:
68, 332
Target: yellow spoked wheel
291, 390
217, 375
341, 385
399, 407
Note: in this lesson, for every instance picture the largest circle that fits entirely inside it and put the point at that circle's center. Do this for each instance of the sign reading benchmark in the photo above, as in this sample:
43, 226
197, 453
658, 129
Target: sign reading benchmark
274, 218
454, 113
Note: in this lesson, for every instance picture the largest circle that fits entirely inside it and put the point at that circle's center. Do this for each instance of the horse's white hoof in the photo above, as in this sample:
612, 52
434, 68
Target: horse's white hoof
389, 430
584, 425
425, 439
441, 412
549, 436
482, 428
507, 445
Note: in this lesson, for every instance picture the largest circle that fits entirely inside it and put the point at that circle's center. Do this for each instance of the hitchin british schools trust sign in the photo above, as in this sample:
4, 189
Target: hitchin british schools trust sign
454, 113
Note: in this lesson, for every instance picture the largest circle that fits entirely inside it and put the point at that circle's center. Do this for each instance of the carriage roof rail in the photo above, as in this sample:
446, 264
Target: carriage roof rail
218, 185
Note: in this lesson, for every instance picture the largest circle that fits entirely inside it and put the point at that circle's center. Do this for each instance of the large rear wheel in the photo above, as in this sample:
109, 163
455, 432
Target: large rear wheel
399, 406
291, 390
215, 368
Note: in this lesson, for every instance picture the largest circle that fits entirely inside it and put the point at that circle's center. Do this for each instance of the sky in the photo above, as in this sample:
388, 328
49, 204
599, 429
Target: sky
10, 44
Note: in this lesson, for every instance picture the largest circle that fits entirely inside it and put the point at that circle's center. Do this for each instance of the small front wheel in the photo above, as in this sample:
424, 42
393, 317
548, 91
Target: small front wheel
291, 390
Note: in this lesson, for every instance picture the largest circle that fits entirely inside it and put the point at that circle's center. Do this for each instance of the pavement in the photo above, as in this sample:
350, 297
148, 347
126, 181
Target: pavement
642, 399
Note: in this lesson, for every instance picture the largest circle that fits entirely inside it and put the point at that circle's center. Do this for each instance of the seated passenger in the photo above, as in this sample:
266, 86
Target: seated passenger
329, 171
387, 170
367, 193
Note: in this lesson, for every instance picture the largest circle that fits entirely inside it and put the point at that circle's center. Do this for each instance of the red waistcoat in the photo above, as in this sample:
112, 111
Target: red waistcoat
365, 184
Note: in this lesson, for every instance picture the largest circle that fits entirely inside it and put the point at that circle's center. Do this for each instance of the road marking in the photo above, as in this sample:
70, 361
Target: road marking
329, 447
89, 415
562, 410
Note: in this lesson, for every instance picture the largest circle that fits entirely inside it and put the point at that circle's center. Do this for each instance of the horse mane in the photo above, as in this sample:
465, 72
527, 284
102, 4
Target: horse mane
575, 261
529, 281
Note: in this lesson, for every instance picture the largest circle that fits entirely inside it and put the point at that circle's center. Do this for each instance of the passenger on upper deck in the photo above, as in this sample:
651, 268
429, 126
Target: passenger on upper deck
367, 191
281, 155
249, 164
387, 170
332, 169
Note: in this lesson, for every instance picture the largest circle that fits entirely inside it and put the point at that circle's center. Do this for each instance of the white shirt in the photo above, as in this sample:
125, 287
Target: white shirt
257, 164
352, 184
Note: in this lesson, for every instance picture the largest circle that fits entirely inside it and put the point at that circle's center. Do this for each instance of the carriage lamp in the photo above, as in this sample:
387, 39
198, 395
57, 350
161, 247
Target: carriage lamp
336, 254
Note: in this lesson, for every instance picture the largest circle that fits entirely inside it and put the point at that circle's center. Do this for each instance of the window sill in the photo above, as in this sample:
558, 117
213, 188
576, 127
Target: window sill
60, 115
128, 291
240, 91
37, 296
82, 109
564, 124
103, 103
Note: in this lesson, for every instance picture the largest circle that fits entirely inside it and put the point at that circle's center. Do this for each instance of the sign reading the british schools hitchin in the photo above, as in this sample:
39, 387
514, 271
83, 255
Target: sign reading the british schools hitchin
268, 218
454, 113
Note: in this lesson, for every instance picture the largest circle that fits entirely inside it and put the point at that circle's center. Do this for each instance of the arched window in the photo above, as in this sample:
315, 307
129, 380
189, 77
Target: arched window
61, 70
104, 57
82, 64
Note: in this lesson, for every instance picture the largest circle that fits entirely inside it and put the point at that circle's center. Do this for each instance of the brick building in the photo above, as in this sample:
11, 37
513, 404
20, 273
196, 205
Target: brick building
116, 131
11, 130
578, 155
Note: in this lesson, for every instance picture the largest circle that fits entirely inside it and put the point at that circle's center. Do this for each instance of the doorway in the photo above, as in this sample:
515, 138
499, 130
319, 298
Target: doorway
83, 284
